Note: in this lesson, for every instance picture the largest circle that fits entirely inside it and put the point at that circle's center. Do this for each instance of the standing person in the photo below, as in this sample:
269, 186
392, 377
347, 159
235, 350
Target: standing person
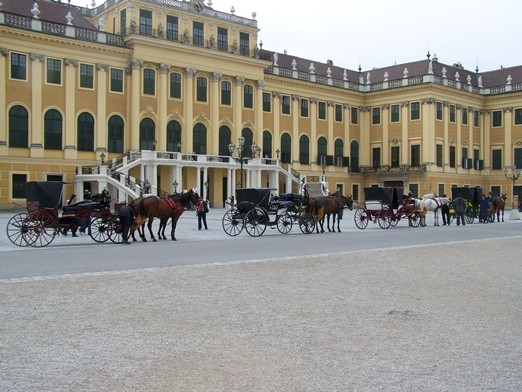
202, 210
232, 202
126, 215
459, 204
445, 210
484, 206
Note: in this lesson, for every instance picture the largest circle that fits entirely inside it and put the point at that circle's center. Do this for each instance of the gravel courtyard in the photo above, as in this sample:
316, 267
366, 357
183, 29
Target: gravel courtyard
417, 319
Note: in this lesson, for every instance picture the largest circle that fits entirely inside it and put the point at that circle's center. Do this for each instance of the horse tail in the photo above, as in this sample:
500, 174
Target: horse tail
142, 211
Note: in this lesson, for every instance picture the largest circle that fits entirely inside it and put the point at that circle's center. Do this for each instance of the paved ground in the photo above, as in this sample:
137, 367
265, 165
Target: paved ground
417, 319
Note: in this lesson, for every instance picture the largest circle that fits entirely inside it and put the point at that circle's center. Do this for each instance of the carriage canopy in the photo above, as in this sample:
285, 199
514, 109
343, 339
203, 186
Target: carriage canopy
392, 197
258, 196
470, 194
47, 193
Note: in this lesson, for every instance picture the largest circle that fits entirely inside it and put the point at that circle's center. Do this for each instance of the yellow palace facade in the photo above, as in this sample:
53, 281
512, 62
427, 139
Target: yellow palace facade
165, 92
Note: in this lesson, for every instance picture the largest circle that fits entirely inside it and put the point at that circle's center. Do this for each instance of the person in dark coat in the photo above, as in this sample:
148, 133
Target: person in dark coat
202, 209
484, 206
459, 204
445, 209
126, 215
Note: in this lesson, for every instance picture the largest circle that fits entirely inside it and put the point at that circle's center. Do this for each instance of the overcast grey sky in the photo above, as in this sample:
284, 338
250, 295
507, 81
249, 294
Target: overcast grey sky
378, 33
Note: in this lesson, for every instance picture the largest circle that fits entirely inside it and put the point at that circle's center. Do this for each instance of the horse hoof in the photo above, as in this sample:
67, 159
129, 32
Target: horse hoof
154, 240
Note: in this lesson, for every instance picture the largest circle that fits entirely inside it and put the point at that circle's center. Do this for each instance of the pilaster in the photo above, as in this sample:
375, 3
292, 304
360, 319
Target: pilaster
135, 65
161, 133
237, 108
37, 148
188, 110
214, 112
101, 118
71, 68
4, 53
258, 134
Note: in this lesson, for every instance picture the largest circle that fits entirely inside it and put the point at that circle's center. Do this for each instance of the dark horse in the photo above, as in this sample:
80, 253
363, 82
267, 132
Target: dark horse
329, 205
497, 205
164, 208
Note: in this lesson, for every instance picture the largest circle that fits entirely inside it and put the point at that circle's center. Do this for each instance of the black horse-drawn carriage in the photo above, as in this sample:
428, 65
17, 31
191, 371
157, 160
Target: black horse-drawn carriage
386, 206
472, 198
256, 210
42, 222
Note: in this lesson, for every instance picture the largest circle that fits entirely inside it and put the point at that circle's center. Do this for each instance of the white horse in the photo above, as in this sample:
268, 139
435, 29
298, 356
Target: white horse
430, 202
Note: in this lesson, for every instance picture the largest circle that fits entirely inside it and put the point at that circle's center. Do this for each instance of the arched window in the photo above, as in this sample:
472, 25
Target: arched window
174, 136
85, 132
18, 127
53, 130
304, 150
200, 139
339, 153
322, 146
147, 134
286, 148
354, 156
225, 139
267, 144
249, 139
116, 134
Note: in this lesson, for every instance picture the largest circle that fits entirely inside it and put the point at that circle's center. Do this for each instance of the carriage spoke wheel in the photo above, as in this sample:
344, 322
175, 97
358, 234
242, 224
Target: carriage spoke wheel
415, 219
384, 218
284, 223
232, 223
100, 229
307, 223
361, 218
114, 230
255, 222
43, 229
394, 220
469, 215
18, 230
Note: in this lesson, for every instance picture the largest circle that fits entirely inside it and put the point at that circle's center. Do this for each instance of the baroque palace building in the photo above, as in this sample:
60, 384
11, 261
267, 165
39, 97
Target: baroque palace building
136, 92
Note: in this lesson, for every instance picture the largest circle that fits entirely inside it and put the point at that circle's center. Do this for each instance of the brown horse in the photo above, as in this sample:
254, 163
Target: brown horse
498, 204
164, 208
328, 205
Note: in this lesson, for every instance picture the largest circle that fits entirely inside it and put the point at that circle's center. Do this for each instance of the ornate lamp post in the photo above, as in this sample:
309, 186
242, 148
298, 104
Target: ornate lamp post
513, 174
239, 148
278, 151
175, 183
102, 158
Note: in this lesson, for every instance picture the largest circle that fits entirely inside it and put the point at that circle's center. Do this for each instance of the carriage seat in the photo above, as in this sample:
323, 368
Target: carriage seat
83, 205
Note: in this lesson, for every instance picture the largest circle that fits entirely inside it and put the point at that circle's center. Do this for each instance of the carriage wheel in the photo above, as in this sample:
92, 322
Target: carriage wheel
114, 230
255, 222
361, 218
232, 223
18, 230
394, 220
415, 219
100, 229
43, 229
284, 223
469, 215
384, 218
307, 223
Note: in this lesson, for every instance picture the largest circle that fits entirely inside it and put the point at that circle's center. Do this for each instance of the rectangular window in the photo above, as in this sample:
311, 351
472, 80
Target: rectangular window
285, 104
19, 181
355, 192
441, 189
440, 111
123, 22
338, 113
172, 27
304, 107
321, 110
452, 156
86, 76
394, 113
464, 116
395, 156
518, 157
476, 118
267, 102
518, 116
414, 189
146, 22
415, 155
175, 85
18, 66
248, 96
226, 93
116, 80
376, 116
354, 116
197, 34
149, 81
414, 111
496, 117
452, 113
496, 161
244, 44
201, 89
439, 155
222, 41
54, 71
376, 157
